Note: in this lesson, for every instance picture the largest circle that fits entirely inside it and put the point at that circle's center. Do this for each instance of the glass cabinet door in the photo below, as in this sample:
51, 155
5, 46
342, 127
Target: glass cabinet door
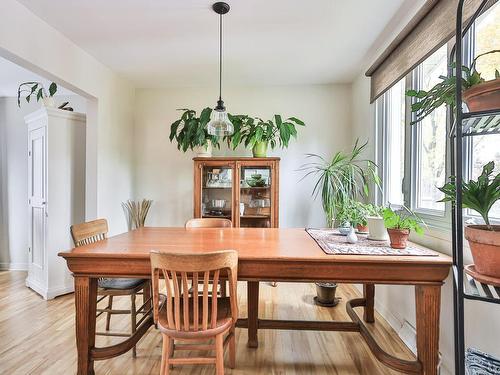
217, 191
256, 196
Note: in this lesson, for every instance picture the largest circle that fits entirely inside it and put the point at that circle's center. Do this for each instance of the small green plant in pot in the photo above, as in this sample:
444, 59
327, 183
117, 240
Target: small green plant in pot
37, 91
258, 134
376, 226
190, 132
399, 224
480, 195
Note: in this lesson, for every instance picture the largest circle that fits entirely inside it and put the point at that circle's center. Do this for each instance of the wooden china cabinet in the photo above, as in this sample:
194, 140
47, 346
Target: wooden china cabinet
244, 190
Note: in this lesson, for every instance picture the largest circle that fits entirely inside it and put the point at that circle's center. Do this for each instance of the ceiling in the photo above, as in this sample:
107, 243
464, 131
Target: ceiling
11, 75
174, 43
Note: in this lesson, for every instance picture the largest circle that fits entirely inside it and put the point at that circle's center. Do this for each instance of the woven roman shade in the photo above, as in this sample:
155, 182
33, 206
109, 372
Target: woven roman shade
433, 26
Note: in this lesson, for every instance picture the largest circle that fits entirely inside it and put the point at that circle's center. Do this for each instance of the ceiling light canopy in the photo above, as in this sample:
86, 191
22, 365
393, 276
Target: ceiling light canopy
219, 124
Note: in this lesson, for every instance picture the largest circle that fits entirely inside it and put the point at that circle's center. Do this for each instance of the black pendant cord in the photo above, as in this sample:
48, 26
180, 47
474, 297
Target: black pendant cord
220, 57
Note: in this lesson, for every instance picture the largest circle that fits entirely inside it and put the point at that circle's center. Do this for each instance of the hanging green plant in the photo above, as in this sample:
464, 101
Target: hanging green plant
444, 91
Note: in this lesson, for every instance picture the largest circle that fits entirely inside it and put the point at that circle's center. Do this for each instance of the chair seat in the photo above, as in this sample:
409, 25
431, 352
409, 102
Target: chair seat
120, 283
224, 320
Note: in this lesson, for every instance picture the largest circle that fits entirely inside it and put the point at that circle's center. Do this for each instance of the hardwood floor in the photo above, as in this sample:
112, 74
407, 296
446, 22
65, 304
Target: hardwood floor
37, 337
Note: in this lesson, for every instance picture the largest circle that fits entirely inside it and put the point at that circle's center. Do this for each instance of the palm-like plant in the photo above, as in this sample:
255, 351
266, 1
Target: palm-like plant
478, 195
341, 179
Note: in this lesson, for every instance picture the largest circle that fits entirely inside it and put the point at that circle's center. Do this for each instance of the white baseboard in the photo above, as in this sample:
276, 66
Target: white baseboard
14, 266
408, 335
49, 293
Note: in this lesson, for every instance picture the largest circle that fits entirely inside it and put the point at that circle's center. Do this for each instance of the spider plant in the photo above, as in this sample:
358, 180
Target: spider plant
341, 179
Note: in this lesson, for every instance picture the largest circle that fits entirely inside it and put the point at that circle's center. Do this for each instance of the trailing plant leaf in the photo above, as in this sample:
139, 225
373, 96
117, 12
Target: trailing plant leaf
36, 90
444, 92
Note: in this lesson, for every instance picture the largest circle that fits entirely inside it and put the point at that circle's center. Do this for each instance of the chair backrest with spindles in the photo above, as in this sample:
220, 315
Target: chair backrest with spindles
209, 223
89, 232
180, 271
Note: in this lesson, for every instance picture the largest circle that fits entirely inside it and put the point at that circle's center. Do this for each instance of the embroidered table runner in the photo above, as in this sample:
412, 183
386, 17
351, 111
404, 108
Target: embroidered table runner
332, 242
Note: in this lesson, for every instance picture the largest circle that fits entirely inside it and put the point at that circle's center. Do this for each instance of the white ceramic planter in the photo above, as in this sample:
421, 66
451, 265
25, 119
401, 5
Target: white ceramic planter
376, 228
204, 151
49, 102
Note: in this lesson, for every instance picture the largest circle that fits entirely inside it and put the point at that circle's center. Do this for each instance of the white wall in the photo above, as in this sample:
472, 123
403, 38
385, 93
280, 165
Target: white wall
14, 178
165, 174
39, 47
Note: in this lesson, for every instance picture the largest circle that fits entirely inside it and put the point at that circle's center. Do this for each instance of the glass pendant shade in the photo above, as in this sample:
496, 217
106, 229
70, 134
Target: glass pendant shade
219, 124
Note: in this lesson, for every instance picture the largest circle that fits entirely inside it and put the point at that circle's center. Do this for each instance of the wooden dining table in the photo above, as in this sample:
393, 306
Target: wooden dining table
265, 254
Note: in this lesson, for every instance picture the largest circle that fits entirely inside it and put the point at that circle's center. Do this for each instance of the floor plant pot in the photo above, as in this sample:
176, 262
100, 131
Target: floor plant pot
485, 248
325, 294
203, 151
398, 237
259, 150
376, 228
484, 96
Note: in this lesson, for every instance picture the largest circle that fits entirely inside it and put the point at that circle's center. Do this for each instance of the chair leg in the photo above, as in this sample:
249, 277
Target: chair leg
165, 367
232, 349
219, 354
171, 346
108, 314
133, 315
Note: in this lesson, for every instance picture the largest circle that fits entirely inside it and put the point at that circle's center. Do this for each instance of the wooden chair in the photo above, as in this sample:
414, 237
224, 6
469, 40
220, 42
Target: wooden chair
209, 223
96, 230
188, 317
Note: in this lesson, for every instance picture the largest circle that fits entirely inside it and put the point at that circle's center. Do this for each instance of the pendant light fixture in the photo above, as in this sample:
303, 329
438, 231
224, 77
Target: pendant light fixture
219, 124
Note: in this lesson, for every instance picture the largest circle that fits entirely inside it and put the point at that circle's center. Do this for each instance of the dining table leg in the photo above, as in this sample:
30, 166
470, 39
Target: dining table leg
369, 295
85, 309
253, 313
428, 306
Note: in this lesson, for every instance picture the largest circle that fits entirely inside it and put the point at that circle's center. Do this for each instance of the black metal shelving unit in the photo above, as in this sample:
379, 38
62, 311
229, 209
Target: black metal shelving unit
466, 124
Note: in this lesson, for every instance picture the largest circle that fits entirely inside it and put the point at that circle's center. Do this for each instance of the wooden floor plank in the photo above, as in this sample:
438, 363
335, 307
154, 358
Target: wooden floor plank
37, 337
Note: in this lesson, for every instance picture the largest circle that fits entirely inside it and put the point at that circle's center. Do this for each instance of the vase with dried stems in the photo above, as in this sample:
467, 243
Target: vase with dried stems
136, 212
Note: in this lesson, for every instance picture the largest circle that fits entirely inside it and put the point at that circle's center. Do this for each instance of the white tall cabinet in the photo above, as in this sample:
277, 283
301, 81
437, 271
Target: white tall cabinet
56, 195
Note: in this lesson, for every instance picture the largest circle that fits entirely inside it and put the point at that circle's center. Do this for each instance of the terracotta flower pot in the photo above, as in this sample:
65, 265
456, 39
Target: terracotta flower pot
484, 96
485, 248
398, 237
362, 228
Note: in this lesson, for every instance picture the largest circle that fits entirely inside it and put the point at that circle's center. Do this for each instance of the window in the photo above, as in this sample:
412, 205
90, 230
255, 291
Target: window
414, 160
483, 149
391, 110
429, 140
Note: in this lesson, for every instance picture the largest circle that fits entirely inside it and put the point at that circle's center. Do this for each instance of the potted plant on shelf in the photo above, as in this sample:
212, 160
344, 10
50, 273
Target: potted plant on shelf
477, 93
190, 132
339, 181
38, 91
484, 240
376, 226
399, 224
258, 134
